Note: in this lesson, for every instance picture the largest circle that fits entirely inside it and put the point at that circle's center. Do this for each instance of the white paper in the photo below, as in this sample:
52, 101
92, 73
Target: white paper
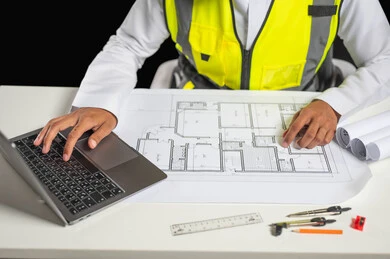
224, 146
346, 133
379, 149
359, 146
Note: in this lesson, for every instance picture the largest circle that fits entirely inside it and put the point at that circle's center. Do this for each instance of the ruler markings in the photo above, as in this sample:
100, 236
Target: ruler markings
216, 223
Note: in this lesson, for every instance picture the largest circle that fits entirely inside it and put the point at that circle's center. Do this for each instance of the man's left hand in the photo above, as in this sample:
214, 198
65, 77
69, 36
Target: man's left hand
312, 126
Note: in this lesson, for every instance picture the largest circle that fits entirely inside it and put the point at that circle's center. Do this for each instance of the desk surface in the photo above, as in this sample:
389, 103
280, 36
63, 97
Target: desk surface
29, 229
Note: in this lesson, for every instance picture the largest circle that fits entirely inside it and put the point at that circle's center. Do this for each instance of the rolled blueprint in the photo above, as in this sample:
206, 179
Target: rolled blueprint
379, 149
359, 146
348, 132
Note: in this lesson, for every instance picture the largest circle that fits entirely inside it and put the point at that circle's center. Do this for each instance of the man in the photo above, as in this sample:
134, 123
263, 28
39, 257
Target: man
239, 44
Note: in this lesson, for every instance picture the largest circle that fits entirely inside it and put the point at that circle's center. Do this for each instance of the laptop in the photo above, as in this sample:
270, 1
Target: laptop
89, 182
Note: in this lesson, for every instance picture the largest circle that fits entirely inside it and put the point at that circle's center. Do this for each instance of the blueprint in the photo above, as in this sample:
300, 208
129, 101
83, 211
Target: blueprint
224, 146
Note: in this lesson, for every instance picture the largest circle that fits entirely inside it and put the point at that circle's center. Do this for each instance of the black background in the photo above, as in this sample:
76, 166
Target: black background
52, 43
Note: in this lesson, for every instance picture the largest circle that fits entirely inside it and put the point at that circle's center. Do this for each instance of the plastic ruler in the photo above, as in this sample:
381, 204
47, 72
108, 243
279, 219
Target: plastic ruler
216, 223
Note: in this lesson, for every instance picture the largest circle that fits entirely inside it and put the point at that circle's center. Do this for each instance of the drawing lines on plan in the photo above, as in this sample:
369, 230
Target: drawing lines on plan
231, 138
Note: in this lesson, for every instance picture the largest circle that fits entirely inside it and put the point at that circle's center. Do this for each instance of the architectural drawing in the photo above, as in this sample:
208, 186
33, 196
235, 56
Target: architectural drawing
195, 136
242, 137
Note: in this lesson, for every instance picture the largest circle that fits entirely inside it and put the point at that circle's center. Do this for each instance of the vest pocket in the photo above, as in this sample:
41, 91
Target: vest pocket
206, 44
280, 77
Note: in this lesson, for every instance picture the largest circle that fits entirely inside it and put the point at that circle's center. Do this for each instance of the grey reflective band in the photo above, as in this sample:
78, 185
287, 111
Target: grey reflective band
319, 35
184, 17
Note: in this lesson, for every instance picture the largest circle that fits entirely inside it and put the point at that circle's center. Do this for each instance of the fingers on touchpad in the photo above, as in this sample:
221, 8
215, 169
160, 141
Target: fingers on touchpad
110, 152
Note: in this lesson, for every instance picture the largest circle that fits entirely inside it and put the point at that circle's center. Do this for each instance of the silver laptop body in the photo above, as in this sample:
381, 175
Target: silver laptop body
113, 169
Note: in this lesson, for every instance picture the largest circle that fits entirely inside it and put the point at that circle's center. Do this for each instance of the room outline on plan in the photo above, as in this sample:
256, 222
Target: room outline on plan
225, 146
224, 138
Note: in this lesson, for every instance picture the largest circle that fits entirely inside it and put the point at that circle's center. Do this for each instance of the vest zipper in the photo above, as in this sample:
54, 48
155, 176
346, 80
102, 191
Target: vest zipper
245, 70
247, 54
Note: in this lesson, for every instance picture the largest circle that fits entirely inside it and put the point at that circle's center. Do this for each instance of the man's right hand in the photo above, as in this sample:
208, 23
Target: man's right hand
101, 121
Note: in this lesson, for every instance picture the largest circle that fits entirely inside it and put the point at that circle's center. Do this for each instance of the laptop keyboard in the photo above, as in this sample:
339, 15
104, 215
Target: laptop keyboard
77, 183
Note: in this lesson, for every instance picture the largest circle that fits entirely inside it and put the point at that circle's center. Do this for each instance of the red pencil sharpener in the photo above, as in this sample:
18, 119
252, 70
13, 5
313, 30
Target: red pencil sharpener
358, 223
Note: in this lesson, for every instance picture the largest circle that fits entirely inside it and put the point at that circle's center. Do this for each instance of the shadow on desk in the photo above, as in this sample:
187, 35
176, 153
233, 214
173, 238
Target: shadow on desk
17, 194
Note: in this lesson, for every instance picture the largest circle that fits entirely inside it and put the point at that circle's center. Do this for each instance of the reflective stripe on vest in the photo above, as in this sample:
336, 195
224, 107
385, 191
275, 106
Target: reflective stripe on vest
287, 52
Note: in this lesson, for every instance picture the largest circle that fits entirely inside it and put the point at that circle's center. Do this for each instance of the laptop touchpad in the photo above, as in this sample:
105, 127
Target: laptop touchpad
110, 152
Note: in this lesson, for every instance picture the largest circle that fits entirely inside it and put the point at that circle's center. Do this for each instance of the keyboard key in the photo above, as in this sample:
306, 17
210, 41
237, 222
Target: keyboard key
79, 180
101, 188
81, 207
68, 204
72, 185
99, 175
110, 186
84, 172
97, 197
88, 165
96, 183
67, 180
76, 190
84, 185
62, 175
90, 178
73, 211
65, 191
74, 175
89, 202
82, 195
105, 181
116, 191
70, 196
56, 193
61, 198
19, 143
60, 186
89, 189
55, 181
107, 194
75, 201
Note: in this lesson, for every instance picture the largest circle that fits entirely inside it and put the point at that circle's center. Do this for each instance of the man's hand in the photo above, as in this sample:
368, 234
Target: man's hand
314, 125
101, 121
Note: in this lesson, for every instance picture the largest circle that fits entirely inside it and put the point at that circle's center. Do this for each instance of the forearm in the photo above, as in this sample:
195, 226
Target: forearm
369, 85
365, 32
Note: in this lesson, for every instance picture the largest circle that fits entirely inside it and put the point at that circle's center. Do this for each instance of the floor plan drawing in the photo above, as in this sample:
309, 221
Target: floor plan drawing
230, 137
202, 137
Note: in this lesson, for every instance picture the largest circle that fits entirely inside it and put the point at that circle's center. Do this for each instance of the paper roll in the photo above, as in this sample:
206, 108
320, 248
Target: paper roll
359, 145
348, 132
379, 149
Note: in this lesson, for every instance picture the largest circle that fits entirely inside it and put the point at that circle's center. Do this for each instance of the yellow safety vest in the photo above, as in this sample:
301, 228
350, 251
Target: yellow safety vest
287, 52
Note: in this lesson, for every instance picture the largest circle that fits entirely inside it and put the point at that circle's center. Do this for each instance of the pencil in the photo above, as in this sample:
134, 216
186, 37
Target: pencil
318, 231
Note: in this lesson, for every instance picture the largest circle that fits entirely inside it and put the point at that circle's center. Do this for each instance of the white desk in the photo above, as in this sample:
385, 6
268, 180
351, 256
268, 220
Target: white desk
141, 230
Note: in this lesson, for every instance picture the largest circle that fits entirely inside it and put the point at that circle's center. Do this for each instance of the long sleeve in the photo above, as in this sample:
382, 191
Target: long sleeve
365, 32
113, 72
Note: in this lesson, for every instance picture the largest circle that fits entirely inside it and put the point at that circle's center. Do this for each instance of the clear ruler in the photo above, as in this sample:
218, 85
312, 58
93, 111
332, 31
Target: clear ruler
214, 224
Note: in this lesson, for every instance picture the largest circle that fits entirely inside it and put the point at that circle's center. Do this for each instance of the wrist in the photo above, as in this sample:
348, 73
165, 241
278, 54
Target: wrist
337, 115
